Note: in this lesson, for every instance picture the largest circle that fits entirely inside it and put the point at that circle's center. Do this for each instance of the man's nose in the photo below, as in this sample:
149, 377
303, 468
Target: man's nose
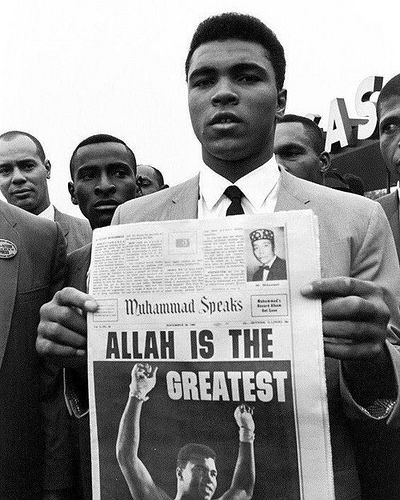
18, 176
225, 93
105, 186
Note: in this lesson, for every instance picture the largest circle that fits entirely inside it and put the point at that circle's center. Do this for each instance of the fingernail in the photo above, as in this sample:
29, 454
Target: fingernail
306, 289
91, 305
80, 353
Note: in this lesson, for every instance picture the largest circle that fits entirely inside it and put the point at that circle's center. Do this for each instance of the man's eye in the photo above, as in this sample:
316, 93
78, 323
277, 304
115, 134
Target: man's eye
389, 128
248, 78
5, 170
28, 166
203, 82
120, 173
288, 153
86, 176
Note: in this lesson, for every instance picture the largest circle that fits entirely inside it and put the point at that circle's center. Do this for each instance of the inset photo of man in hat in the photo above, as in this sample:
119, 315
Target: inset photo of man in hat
272, 267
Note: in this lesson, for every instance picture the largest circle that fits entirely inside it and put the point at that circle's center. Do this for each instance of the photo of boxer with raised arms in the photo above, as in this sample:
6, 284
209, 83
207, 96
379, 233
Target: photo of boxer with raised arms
196, 471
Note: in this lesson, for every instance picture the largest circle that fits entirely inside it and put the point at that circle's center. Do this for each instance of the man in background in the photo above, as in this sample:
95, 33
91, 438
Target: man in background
24, 172
32, 259
299, 148
388, 109
103, 173
381, 478
149, 180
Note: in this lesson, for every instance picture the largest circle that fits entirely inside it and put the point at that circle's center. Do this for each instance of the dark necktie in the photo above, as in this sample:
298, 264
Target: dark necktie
235, 195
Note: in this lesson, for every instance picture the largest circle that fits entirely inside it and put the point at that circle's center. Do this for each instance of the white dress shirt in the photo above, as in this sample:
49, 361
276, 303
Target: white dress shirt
48, 213
259, 188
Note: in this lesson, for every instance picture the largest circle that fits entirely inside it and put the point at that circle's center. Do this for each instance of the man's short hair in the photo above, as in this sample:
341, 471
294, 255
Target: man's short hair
192, 450
315, 133
99, 139
12, 134
240, 27
392, 88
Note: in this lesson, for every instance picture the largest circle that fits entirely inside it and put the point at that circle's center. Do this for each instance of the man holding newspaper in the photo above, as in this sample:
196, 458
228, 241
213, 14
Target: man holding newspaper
235, 72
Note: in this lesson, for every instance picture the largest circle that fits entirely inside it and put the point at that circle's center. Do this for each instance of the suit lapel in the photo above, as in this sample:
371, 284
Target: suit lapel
77, 277
290, 194
395, 222
9, 269
58, 218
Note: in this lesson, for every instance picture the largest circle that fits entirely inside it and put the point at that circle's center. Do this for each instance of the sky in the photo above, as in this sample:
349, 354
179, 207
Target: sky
77, 68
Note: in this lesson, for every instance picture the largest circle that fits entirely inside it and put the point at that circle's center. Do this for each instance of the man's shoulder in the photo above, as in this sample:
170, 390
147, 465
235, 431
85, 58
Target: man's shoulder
31, 223
329, 200
71, 220
388, 199
147, 208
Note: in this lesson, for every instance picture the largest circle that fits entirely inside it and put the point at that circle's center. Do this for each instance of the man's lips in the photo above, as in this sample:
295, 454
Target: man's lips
224, 118
21, 193
106, 205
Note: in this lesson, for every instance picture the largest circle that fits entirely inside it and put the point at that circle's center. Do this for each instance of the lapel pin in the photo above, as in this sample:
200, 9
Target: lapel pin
8, 249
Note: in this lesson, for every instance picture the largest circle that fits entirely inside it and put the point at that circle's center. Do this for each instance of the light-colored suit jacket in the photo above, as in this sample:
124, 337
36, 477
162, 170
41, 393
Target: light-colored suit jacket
28, 279
77, 232
355, 241
390, 204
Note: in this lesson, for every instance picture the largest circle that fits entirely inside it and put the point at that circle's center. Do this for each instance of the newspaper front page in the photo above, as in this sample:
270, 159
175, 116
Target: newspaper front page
203, 338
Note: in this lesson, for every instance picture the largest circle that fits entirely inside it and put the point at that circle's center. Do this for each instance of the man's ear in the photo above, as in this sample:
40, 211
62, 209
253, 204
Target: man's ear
281, 105
47, 166
71, 190
179, 473
325, 162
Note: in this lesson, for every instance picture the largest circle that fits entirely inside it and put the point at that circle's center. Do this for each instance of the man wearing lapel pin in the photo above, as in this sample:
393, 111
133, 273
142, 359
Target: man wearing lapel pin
32, 258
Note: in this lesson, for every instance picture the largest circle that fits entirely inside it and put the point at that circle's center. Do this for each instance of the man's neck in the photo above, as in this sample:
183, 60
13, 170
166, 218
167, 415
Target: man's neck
234, 170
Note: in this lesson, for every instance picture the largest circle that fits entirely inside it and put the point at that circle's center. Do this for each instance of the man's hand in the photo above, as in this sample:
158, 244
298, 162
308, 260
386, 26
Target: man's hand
355, 317
62, 329
143, 380
244, 419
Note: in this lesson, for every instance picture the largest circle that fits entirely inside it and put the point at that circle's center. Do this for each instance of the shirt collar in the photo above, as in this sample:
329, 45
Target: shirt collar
48, 213
256, 185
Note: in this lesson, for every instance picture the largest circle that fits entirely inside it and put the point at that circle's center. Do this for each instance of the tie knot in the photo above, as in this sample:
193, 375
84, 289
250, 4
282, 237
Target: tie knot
233, 193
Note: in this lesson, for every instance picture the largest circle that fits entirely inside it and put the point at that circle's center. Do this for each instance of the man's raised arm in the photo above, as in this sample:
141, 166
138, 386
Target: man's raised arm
244, 476
138, 478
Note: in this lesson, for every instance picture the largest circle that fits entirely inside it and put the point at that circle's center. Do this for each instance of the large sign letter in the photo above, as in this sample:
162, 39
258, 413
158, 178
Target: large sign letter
367, 107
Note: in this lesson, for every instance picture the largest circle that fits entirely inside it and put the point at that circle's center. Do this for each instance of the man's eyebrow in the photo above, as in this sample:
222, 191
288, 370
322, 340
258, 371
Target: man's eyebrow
249, 66
288, 145
201, 71
390, 119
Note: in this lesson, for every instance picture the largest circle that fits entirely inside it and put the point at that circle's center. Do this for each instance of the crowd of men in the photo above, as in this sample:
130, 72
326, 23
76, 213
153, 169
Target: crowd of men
256, 160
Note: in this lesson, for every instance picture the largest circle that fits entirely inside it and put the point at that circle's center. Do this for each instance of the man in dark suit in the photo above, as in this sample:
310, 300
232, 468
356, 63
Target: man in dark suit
235, 72
381, 479
388, 109
272, 267
24, 171
32, 258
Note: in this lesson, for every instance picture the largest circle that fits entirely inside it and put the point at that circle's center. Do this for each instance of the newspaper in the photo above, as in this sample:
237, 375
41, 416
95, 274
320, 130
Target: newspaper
198, 340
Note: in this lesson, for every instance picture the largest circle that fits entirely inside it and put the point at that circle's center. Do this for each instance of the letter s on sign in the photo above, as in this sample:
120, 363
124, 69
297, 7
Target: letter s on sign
366, 107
